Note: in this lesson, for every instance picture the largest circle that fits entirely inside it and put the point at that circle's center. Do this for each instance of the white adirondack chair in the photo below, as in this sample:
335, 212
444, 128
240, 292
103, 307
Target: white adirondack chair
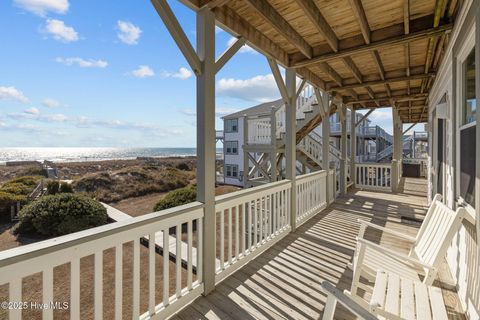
427, 249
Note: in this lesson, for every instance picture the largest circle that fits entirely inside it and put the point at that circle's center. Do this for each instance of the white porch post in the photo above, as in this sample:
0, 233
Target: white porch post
290, 141
324, 105
397, 149
343, 146
353, 144
273, 152
206, 140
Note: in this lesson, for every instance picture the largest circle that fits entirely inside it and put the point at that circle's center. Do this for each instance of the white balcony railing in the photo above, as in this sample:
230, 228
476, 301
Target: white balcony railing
248, 222
259, 130
373, 176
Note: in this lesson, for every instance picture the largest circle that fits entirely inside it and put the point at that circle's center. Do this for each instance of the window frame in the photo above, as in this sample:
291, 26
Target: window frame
461, 58
231, 166
231, 142
229, 125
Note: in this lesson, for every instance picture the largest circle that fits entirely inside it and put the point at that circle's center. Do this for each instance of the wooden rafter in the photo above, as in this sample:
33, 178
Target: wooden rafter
269, 14
397, 98
331, 73
359, 12
384, 43
316, 18
381, 69
382, 82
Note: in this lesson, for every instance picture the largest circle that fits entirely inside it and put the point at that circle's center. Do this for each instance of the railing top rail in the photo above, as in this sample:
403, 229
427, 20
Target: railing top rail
320, 173
383, 165
250, 191
35, 250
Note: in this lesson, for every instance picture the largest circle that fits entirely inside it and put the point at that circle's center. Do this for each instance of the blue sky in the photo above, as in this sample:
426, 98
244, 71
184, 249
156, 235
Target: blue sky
89, 73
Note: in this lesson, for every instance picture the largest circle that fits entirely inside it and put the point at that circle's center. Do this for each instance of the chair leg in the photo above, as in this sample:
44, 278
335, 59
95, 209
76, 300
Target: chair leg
330, 306
357, 269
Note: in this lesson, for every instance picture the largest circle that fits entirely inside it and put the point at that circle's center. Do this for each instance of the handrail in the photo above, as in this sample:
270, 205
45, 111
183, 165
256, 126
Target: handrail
250, 191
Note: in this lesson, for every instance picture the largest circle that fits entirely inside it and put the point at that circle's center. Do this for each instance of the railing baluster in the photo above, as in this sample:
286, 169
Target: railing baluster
200, 250
249, 226
166, 267
255, 223
243, 238
136, 279
118, 281
47, 286
151, 273
75, 288
230, 242
15, 296
237, 230
189, 256
222, 239
178, 253
98, 285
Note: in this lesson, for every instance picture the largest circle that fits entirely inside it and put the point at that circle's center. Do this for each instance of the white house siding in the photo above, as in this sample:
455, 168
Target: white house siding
234, 159
463, 255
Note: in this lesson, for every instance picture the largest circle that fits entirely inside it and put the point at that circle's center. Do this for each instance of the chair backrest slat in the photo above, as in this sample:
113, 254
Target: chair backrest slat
437, 232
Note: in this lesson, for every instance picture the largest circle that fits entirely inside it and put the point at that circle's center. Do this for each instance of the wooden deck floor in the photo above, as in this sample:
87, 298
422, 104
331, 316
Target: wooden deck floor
284, 282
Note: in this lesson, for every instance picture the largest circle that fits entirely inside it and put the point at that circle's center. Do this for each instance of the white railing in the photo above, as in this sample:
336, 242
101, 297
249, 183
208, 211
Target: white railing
312, 148
249, 222
311, 195
332, 185
259, 130
373, 176
127, 245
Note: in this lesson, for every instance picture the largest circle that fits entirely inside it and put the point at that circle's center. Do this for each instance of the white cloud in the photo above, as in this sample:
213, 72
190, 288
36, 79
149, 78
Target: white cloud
244, 49
56, 118
42, 7
51, 103
182, 73
60, 31
32, 110
143, 72
128, 32
82, 62
12, 93
260, 88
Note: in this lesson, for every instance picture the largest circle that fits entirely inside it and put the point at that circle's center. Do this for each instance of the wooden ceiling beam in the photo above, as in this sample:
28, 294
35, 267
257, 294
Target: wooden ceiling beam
331, 73
397, 98
382, 82
406, 16
212, 3
269, 14
353, 68
381, 70
316, 18
359, 12
384, 43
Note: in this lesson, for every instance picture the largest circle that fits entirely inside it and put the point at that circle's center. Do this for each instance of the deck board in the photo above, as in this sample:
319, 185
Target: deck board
284, 281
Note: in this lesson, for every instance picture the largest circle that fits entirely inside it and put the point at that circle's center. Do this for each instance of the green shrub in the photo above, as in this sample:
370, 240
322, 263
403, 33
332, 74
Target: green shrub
10, 199
30, 181
17, 189
53, 187
66, 188
60, 214
176, 198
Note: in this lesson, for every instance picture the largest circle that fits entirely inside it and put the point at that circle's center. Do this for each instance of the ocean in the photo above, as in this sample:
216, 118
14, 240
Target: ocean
90, 154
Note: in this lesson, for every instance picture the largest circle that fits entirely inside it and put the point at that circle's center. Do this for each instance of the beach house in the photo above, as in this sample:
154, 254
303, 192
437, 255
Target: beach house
364, 243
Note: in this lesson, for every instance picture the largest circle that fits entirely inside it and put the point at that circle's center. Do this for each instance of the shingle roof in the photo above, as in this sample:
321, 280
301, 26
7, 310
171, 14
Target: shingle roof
258, 109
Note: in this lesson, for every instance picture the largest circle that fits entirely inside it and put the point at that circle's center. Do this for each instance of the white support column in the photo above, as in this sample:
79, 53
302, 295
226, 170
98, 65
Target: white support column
324, 105
397, 149
273, 152
343, 147
206, 140
353, 144
290, 141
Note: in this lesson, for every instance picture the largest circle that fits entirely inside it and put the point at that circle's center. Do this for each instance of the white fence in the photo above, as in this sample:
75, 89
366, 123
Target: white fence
121, 241
373, 176
250, 221
247, 223
259, 130
311, 195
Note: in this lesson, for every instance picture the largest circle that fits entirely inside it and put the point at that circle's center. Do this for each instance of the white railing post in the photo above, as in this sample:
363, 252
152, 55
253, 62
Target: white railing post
206, 140
290, 142
343, 157
353, 145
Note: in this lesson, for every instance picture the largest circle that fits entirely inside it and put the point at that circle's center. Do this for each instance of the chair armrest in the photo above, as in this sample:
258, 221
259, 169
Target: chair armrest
387, 230
394, 254
334, 295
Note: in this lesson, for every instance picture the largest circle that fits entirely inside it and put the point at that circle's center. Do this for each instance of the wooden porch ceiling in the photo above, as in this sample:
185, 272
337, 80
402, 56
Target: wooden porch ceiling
372, 53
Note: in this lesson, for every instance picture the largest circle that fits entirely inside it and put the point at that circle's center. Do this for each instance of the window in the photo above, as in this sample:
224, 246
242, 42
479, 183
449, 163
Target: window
231, 125
231, 170
231, 147
467, 131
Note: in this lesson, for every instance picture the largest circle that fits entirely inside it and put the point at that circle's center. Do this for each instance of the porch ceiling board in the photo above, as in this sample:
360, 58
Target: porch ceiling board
332, 36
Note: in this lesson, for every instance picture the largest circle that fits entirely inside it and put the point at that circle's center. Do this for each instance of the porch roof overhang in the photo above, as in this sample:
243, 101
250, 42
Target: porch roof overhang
371, 53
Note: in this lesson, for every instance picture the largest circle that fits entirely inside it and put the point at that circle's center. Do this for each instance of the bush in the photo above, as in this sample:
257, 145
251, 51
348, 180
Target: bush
16, 189
56, 215
30, 181
183, 166
177, 198
66, 188
53, 187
